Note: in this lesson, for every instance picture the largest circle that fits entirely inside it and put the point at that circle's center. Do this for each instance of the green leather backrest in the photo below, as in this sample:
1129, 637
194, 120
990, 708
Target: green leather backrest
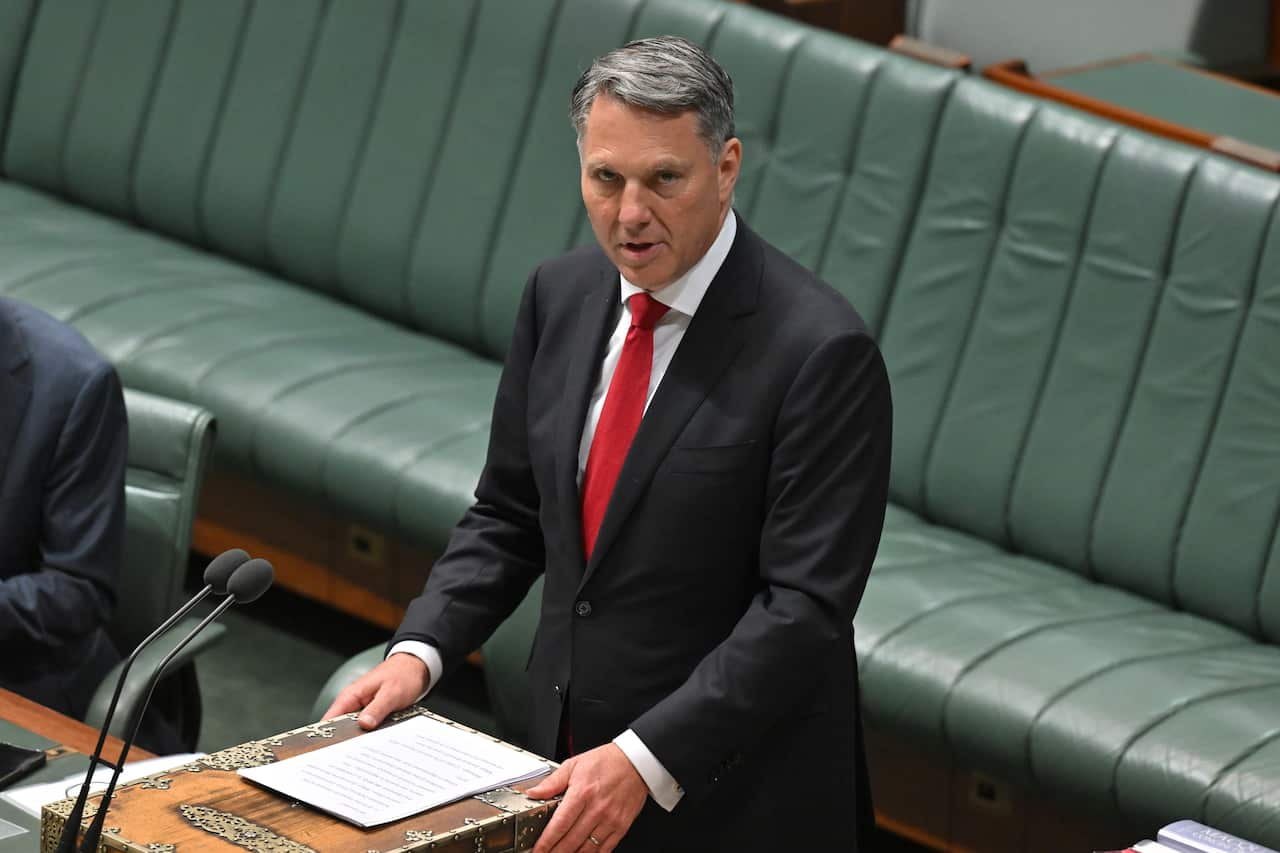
1076, 340
169, 444
415, 158
1228, 554
15, 23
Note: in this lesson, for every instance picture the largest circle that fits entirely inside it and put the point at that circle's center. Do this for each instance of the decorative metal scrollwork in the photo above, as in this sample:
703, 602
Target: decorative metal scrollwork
239, 831
402, 714
253, 754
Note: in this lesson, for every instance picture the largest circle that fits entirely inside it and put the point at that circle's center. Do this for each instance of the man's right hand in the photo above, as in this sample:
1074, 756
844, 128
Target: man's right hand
391, 685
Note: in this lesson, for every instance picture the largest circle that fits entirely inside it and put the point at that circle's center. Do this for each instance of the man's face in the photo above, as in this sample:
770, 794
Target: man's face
655, 197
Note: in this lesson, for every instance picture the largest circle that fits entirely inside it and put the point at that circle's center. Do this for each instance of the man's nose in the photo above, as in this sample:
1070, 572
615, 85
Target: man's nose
634, 211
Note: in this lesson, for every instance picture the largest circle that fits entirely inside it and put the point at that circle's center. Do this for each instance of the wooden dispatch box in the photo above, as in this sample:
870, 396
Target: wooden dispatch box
207, 806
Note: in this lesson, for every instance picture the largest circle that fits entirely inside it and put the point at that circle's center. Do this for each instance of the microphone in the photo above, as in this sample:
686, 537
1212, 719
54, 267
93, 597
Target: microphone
217, 575
246, 584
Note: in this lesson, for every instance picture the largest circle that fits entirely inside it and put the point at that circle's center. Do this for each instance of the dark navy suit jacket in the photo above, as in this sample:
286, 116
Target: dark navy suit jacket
63, 442
714, 614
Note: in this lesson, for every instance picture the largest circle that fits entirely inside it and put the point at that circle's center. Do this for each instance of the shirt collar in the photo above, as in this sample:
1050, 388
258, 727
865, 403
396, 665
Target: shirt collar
685, 293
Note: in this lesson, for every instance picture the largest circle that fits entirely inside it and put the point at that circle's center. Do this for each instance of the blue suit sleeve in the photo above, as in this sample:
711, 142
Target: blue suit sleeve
82, 525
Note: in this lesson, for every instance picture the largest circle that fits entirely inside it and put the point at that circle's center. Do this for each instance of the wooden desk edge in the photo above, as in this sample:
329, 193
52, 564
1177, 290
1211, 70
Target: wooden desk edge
60, 728
1014, 74
931, 53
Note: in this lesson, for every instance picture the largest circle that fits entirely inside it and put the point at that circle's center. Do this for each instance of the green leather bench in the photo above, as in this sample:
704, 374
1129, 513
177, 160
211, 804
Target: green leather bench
315, 219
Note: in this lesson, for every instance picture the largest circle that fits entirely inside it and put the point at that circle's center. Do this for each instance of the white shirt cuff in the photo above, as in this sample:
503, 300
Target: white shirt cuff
663, 787
428, 654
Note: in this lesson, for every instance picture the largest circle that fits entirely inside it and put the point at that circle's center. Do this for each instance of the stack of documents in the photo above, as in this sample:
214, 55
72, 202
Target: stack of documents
398, 771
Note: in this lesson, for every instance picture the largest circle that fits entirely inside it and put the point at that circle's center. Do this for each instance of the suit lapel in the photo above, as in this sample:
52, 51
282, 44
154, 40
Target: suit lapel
713, 338
594, 316
15, 393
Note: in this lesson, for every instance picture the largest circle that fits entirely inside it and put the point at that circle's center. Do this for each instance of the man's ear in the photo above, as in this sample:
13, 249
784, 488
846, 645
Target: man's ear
728, 167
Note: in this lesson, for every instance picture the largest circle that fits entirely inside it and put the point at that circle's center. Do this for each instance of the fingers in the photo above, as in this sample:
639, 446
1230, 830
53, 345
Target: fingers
565, 816
386, 700
601, 800
607, 842
390, 686
342, 705
600, 841
352, 698
582, 821
553, 784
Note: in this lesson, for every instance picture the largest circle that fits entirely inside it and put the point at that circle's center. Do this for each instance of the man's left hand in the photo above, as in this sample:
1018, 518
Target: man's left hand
603, 793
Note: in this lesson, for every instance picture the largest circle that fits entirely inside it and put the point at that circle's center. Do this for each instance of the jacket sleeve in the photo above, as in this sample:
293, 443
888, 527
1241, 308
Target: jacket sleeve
825, 503
496, 551
82, 525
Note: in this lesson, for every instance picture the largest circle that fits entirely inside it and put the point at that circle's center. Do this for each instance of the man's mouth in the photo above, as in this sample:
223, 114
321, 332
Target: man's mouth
636, 250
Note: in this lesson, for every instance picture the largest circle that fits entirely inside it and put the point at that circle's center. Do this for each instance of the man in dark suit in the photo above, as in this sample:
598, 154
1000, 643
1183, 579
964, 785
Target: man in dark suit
691, 439
63, 442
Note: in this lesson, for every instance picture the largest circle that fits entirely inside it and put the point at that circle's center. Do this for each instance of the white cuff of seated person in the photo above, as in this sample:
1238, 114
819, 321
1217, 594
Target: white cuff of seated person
663, 787
426, 653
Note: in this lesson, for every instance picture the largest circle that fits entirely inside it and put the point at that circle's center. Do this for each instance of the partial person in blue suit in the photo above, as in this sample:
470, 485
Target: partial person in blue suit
63, 442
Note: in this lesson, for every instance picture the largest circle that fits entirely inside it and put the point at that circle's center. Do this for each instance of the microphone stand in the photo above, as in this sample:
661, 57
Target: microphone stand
91, 836
67, 841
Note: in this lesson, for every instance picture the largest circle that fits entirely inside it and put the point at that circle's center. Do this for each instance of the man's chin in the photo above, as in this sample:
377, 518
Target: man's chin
647, 277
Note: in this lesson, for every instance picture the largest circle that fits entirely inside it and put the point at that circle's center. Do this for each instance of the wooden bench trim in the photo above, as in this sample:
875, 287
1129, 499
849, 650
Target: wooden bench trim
1013, 73
931, 53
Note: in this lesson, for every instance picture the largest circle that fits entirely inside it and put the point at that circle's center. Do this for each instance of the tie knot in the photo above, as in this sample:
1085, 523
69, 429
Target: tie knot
645, 311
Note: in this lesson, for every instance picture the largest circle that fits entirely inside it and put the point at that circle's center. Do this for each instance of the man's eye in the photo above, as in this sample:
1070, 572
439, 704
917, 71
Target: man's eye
667, 177
606, 176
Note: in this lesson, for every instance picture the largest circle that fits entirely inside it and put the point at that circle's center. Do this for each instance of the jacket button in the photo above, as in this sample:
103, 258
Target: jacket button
583, 608
556, 688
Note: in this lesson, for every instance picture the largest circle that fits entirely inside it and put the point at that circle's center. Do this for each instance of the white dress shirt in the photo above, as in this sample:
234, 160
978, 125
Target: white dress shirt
682, 297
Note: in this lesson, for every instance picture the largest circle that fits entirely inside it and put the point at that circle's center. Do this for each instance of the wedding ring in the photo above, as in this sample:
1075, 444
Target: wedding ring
593, 840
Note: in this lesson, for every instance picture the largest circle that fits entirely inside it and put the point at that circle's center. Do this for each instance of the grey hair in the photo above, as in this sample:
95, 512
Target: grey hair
668, 75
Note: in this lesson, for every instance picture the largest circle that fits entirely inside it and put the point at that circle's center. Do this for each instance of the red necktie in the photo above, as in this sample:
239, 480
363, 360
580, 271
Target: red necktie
620, 418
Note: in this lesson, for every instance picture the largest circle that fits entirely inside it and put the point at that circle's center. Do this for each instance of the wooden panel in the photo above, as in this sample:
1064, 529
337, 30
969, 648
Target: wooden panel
1273, 53
1051, 825
876, 21
924, 796
909, 788
305, 577
987, 814
348, 566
